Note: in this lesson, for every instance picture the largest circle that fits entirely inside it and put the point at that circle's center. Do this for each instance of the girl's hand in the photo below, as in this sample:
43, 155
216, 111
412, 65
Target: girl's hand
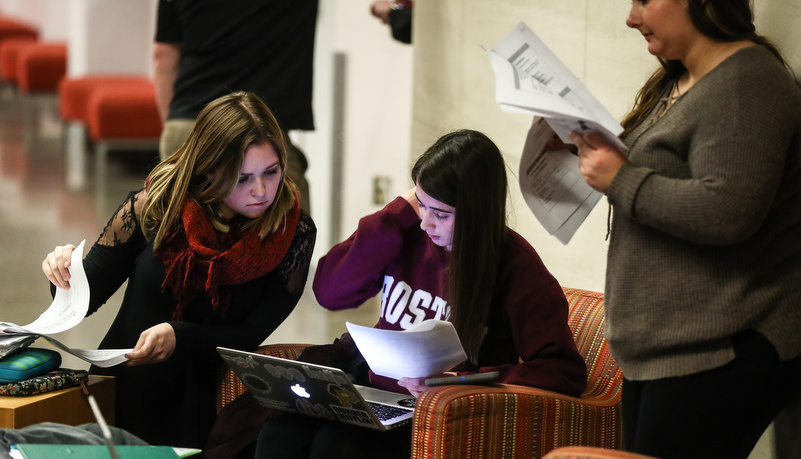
411, 197
598, 161
56, 264
418, 385
156, 344
415, 386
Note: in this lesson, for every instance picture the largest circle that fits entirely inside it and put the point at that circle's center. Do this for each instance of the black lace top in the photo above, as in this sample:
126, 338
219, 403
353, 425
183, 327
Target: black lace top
174, 402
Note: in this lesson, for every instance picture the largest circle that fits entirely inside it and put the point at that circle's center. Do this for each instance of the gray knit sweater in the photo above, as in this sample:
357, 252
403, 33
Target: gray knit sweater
706, 233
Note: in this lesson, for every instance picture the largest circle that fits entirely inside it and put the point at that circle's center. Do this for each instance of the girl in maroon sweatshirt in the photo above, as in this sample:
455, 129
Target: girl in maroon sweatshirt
443, 251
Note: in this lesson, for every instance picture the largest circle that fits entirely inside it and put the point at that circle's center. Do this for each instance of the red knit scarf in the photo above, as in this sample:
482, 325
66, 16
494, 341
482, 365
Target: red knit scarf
200, 260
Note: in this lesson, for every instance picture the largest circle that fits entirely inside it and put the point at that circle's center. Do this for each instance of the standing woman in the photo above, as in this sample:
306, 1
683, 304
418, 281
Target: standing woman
215, 251
704, 261
443, 251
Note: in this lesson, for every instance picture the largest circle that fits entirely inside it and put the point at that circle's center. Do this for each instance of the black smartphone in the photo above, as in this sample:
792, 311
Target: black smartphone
476, 378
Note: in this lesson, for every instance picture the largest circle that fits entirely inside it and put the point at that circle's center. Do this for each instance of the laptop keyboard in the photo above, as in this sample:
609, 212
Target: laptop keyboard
385, 412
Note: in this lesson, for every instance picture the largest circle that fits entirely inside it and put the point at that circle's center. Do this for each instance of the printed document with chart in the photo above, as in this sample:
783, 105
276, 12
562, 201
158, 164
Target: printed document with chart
530, 79
67, 310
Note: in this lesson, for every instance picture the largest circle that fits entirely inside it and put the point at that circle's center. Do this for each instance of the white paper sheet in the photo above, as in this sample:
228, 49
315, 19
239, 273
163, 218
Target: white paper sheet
552, 185
530, 78
430, 348
67, 310
103, 358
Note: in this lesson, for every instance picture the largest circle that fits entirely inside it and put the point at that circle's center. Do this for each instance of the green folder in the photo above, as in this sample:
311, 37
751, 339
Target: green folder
41, 451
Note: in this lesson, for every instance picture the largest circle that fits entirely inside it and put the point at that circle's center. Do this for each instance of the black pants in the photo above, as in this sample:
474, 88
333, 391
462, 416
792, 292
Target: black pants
295, 437
716, 413
787, 431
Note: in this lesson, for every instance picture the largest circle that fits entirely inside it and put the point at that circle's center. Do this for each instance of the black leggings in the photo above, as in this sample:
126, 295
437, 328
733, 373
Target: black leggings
295, 437
716, 413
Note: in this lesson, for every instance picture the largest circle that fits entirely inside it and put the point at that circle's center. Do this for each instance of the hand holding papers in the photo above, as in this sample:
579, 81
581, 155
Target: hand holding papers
67, 310
552, 185
102, 358
68, 307
429, 348
529, 78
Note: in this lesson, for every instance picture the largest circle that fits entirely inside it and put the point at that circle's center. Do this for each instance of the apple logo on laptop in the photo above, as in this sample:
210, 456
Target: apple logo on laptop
300, 391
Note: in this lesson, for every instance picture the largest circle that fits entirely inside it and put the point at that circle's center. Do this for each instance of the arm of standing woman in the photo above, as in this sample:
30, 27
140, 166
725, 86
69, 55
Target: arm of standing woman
709, 170
598, 161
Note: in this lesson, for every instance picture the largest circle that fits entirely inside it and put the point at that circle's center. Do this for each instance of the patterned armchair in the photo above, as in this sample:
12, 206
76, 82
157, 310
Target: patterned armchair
504, 420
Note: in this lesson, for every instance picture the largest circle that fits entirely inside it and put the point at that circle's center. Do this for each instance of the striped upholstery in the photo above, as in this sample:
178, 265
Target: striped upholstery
231, 387
508, 421
504, 420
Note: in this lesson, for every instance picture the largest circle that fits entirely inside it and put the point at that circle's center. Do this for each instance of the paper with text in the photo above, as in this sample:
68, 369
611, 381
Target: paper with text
68, 309
552, 185
529, 78
430, 348
103, 358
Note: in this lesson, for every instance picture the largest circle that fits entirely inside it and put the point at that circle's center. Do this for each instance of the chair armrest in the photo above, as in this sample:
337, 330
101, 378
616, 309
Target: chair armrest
505, 420
231, 387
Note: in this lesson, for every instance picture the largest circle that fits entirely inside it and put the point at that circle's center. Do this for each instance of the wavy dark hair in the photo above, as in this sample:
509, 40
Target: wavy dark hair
465, 169
721, 20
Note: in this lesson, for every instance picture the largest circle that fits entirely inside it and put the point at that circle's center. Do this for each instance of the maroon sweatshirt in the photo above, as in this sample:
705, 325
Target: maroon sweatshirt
527, 337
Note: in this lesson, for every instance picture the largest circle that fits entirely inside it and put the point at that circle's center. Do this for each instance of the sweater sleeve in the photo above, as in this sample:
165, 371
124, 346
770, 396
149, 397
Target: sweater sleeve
110, 260
531, 332
352, 271
168, 26
708, 170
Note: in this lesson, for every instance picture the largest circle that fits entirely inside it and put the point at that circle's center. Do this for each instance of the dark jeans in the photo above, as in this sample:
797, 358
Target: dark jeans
716, 413
296, 437
787, 432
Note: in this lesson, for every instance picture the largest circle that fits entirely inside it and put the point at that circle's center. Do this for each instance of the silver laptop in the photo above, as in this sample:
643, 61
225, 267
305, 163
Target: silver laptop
318, 391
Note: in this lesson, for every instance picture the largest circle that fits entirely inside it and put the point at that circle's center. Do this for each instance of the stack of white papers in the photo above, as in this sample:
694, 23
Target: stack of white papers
552, 185
530, 79
67, 310
9, 344
430, 348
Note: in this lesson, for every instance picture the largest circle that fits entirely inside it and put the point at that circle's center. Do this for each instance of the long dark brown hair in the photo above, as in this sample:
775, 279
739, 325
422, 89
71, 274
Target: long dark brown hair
720, 20
464, 169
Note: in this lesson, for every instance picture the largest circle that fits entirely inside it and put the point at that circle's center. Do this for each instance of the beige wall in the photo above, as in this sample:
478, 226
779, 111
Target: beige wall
454, 87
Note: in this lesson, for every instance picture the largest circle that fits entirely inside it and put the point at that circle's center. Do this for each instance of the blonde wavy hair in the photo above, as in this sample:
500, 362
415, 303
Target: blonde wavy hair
216, 147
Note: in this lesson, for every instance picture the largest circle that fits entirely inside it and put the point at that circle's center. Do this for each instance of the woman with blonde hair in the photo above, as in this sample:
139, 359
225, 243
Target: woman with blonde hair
215, 251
